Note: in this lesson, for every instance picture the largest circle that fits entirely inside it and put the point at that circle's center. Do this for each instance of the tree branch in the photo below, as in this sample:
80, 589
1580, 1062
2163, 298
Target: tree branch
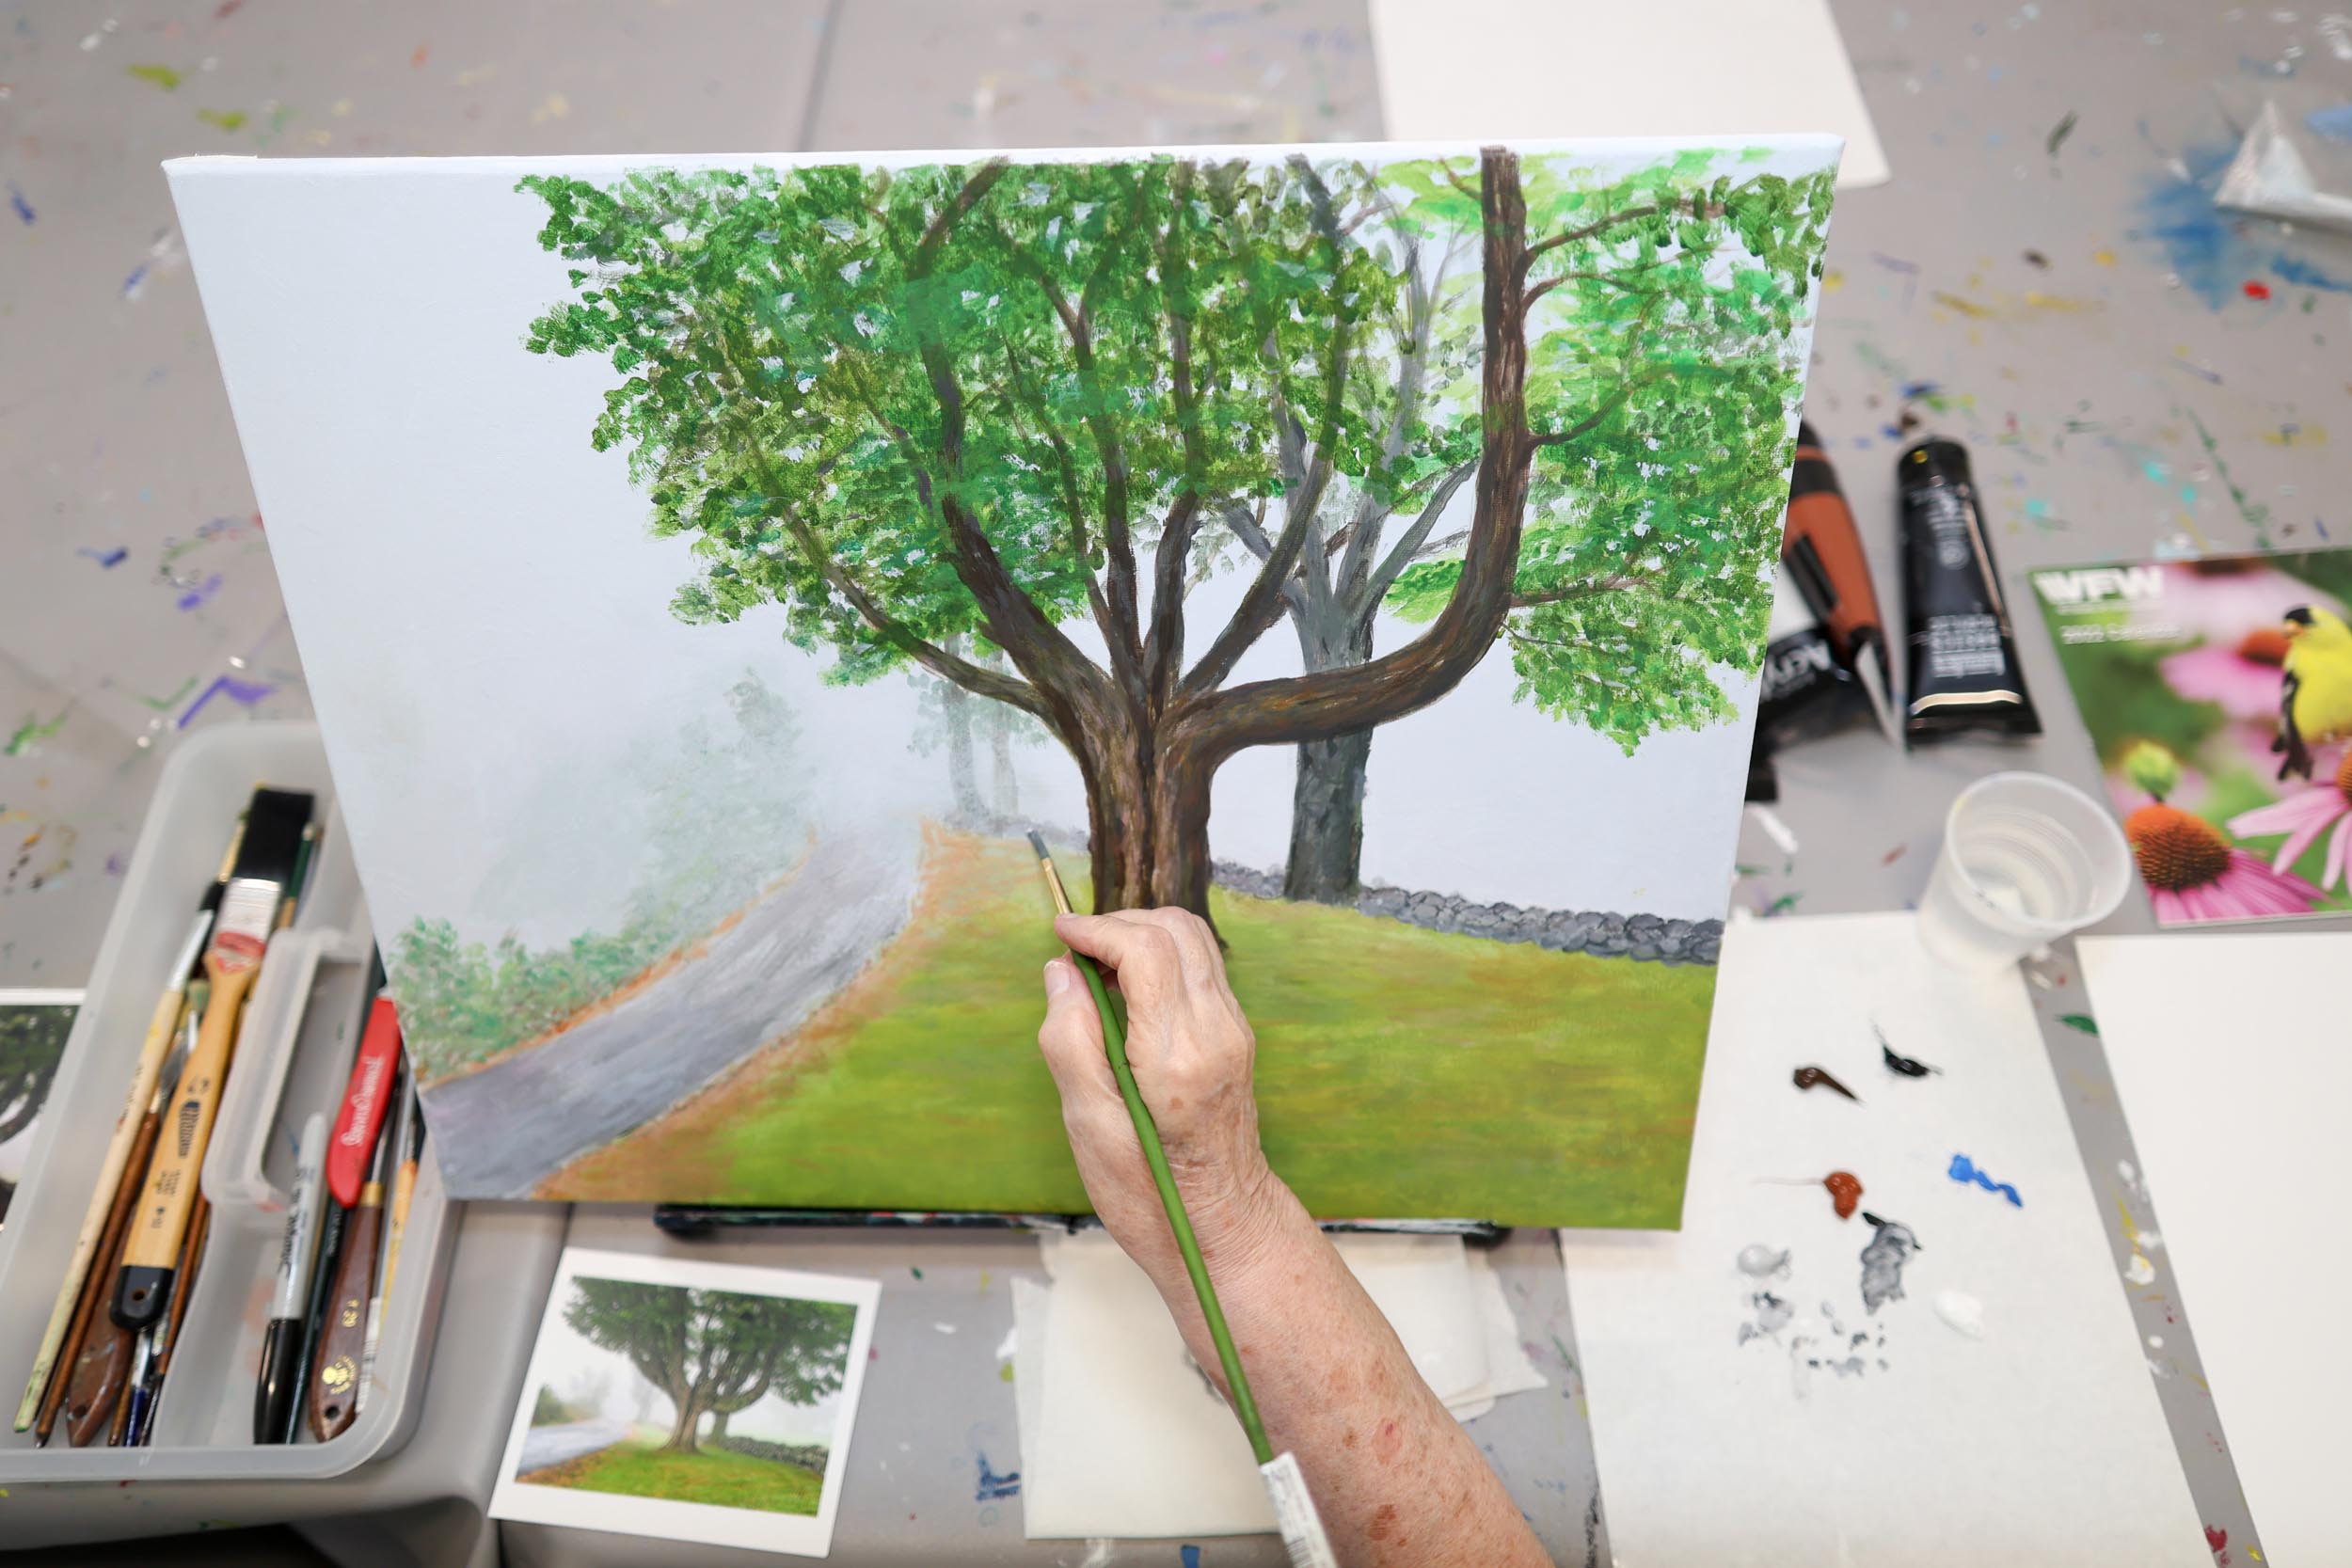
1119, 544
1411, 376
1250, 531
1164, 649
977, 679
1607, 406
1579, 591
1335, 702
1261, 606
1015, 623
1409, 543
1067, 471
1340, 349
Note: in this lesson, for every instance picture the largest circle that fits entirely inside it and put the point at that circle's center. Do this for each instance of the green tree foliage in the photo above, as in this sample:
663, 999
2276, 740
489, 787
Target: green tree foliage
32, 1039
1666, 388
715, 1352
916, 406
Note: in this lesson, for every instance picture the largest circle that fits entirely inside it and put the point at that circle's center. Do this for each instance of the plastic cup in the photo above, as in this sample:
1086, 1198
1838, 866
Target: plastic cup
2025, 859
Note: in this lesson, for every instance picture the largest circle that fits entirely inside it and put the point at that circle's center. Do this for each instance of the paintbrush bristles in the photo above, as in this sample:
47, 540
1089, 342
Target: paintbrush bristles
1052, 878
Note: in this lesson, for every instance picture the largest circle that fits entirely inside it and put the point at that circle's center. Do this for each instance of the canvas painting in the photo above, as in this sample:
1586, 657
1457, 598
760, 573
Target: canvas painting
690, 1400
2219, 693
709, 571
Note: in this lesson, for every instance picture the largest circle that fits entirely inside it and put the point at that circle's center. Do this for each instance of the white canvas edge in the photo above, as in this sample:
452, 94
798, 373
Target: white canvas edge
203, 165
749, 1529
34, 996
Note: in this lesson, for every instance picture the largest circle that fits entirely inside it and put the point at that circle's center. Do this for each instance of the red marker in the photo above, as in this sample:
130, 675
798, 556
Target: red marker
365, 1101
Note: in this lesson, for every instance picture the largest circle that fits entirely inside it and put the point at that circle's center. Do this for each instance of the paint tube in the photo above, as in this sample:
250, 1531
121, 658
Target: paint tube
1961, 656
1808, 692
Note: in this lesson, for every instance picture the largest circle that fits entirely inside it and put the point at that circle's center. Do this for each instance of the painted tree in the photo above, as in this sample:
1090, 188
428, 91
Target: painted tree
715, 1352
31, 1041
908, 405
951, 720
1668, 386
947, 720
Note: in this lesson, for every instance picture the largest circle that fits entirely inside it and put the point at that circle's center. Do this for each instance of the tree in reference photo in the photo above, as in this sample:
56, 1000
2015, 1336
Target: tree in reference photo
999, 402
715, 1352
32, 1039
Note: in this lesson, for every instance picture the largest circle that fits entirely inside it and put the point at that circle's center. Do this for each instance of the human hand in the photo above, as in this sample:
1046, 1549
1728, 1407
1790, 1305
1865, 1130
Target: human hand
1191, 1052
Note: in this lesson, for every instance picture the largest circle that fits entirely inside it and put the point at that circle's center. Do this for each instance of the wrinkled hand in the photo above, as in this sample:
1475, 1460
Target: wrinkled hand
1191, 1052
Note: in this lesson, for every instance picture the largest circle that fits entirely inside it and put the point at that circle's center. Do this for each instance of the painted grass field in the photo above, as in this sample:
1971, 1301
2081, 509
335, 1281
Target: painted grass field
1500, 1083
641, 1468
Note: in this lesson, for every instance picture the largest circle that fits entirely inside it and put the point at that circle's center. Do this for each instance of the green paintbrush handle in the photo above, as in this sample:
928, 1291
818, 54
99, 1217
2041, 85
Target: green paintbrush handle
1147, 1133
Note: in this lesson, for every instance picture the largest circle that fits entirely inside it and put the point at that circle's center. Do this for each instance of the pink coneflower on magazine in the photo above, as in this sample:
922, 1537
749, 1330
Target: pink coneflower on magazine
2304, 814
2193, 872
2241, 675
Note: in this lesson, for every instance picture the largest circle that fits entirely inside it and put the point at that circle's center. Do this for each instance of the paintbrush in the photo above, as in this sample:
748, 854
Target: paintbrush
249, 909
1286, 1486
97, 1280
161, 1029
167, 1338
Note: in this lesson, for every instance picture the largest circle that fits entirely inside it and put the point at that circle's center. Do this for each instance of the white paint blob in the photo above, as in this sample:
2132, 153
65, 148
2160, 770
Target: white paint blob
1760, 1260
2140, 1271
1962, 1312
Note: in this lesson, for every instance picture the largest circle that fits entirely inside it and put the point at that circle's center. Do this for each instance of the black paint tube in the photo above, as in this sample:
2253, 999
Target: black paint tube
1961, 656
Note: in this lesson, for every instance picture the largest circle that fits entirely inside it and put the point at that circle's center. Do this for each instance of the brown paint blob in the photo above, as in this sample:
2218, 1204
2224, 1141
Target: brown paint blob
1813, 1077
1845, 1190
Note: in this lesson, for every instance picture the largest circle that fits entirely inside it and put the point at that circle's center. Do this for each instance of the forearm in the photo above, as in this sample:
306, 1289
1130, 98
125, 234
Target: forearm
1397, 1480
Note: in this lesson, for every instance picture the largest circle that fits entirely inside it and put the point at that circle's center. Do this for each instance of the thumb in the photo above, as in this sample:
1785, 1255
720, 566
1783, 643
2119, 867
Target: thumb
1071, 1038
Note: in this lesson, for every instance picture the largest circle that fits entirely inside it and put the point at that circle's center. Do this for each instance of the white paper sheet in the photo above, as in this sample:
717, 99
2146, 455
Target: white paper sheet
1122, 1436
2228, 1054
1501, 69
2039, 1443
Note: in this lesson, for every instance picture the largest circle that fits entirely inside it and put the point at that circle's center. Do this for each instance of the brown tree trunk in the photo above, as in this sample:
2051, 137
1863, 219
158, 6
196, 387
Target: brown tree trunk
1180, 864
1146, 817
718, 1433
689, 1415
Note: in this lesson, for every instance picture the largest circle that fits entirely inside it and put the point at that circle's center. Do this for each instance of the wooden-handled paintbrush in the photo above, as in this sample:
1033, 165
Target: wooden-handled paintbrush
1293, 1510
161, 1030
79, 1387
342, 1354
248, 909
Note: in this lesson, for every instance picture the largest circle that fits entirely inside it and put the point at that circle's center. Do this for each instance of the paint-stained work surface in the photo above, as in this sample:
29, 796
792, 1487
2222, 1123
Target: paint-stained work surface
2117, 311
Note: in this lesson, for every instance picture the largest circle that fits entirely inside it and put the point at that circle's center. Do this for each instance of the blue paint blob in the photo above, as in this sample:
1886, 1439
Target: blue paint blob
2212, 252
108, 558
1192, 1557
1964, 1170
16, 203
994, 1486
2334, 123
2296, 270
